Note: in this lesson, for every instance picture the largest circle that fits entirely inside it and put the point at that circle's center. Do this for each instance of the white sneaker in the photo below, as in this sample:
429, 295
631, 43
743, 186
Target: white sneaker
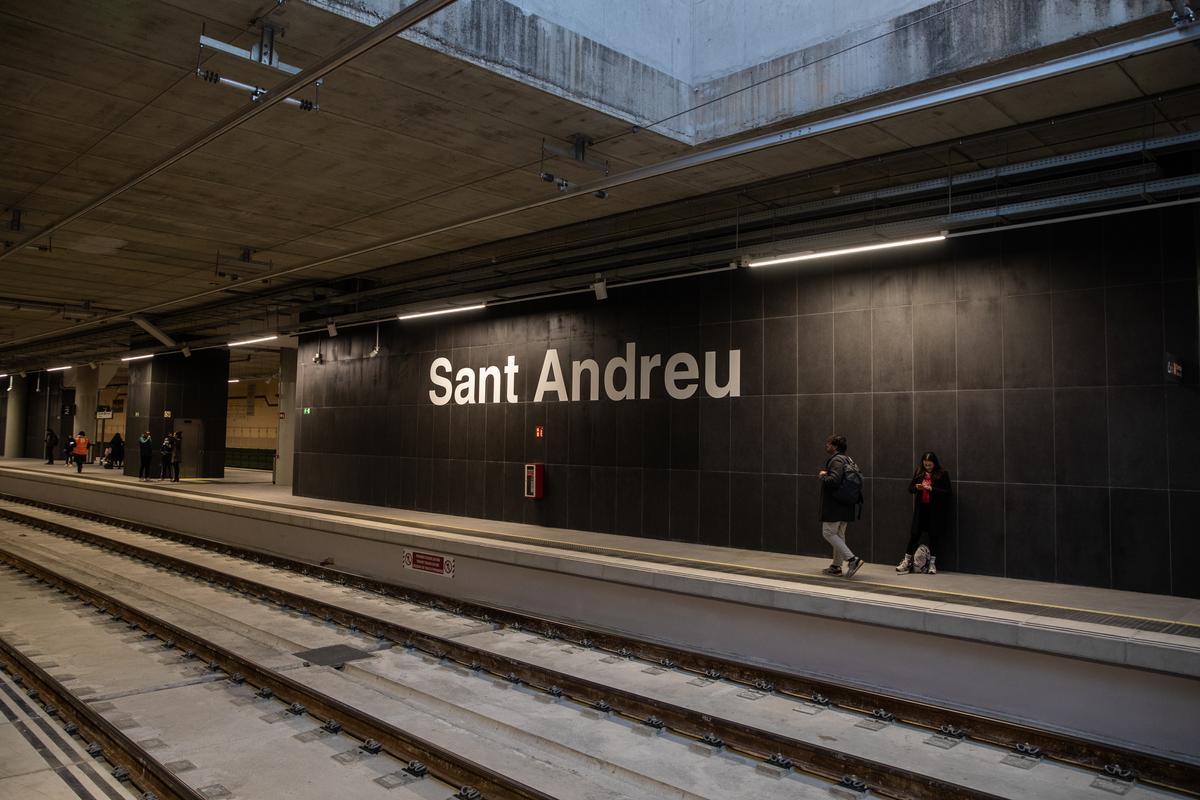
906, 565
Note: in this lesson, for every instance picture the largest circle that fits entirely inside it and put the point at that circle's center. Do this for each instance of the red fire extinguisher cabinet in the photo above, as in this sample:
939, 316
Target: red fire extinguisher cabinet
535, 480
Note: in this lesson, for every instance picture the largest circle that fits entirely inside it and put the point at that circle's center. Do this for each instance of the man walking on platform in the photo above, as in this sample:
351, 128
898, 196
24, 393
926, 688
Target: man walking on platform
80, 452
841, 495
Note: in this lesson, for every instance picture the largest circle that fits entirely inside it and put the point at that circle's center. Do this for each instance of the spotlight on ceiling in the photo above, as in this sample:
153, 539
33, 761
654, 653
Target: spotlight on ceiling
600, 288
600, 194
331, 326
547, 177
187, 351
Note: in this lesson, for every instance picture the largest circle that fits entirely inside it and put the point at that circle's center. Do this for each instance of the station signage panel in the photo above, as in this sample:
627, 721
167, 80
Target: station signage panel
625, 377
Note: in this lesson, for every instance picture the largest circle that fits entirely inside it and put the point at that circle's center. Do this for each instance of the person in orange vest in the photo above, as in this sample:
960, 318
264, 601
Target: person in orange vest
80, 451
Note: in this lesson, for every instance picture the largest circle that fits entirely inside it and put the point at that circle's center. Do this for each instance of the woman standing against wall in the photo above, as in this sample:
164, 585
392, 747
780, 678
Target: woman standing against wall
931, 491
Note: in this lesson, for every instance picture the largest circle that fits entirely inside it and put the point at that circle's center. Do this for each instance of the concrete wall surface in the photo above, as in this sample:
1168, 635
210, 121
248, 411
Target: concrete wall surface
745, 65
1031, 361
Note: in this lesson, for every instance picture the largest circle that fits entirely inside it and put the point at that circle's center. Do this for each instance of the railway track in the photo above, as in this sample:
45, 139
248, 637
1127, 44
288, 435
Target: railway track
772, 748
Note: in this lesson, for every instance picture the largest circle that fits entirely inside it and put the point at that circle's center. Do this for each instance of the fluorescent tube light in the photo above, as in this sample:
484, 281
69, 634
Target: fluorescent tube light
770, 262
138, 358
253, 341
443, 311
57, 369
235, 380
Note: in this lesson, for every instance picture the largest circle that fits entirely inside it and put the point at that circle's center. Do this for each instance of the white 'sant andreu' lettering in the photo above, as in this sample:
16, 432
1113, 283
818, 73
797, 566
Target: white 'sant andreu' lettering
624, 377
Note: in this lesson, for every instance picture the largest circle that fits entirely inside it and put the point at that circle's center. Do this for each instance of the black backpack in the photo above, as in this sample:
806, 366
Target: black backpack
850, 491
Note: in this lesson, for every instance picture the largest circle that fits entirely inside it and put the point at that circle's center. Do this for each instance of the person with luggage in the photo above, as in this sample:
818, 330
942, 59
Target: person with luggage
145, 454
80, 450
841, 498
51, 443
931, 491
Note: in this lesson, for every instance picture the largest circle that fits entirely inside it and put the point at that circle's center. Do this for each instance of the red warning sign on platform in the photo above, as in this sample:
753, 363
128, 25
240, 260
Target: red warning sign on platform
429, 562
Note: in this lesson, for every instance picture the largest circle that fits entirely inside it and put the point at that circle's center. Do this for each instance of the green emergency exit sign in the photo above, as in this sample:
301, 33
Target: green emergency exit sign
308, 409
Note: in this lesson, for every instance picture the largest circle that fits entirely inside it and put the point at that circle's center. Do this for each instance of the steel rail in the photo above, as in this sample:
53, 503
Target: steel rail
142, 769
824, 762
442, 763
1075, 751
1066, 65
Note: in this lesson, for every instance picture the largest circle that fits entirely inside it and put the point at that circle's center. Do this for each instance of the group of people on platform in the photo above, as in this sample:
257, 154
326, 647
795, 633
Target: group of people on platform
77, 449
842, 501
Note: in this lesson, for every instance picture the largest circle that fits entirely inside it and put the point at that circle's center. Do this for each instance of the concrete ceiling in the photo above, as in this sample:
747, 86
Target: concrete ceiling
407, 139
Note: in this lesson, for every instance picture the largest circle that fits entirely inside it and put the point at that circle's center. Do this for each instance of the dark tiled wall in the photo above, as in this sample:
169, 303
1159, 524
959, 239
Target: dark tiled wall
190, 388
1030, 361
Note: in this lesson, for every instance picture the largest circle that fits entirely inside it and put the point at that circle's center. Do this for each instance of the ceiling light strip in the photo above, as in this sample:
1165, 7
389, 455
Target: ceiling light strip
57, 369
770, 262
138, 358
254, 341
439, 312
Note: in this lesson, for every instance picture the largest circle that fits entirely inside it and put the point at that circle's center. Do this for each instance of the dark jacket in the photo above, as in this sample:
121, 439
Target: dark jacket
938, 511
146, 449
118, 448
832, 510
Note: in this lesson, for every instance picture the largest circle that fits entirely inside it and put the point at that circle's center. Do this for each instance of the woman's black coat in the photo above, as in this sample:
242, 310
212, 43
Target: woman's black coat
939, 505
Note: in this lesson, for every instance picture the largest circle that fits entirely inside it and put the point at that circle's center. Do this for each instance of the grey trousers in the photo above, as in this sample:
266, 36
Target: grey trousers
835, 534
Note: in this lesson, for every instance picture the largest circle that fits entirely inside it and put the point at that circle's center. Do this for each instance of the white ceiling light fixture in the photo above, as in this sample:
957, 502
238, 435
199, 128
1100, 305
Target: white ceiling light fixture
442, 311
57, 369
866, 248
254, 341
600, 288
235, 380
331, 328
138, 358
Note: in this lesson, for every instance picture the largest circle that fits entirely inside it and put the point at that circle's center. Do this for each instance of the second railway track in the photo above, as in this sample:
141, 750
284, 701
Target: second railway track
773, 720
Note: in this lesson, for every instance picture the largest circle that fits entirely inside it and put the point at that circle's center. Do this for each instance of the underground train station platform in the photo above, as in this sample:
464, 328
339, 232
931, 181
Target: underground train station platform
1113, 665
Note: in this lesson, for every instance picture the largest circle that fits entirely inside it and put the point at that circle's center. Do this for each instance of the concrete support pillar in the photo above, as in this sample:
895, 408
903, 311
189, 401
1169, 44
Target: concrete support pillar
174, 393
86, 388
14, 430
285, 439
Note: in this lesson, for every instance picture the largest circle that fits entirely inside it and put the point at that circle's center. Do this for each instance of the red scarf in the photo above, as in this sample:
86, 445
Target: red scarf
926, 493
